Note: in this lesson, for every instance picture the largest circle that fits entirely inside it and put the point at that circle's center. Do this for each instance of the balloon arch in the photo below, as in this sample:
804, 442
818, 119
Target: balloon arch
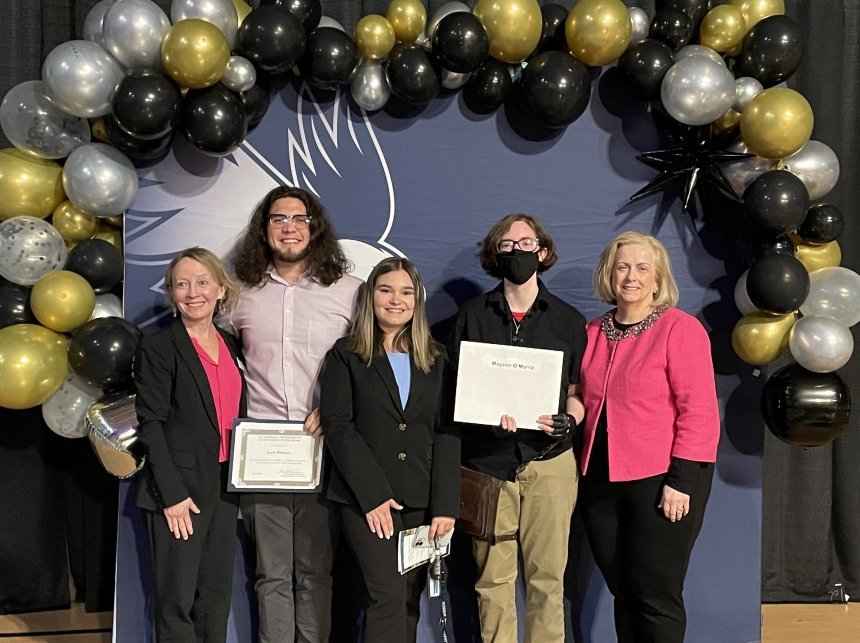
113, 102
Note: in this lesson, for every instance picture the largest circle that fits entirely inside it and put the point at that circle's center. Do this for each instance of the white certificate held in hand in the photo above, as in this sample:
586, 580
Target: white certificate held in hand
274, 456
495, 380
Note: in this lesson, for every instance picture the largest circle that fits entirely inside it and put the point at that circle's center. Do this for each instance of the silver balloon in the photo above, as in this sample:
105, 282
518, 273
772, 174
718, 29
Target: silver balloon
100, 180
34, 124
369, 87
326, 21
820, 344
445, 10
454, 80
817, 166
743, 172
107, 305
746, 88
698, 50
240, 74
697, 90
30, 248
92, 28
133, 31
639, 23
835, 293
81, 78
65, 411
742, 298
112, 424
221, 13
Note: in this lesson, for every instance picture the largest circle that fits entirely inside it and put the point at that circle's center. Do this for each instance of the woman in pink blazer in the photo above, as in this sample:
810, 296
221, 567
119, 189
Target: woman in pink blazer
650, 438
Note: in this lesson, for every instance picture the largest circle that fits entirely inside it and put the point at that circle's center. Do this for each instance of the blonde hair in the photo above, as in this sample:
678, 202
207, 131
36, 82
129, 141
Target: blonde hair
213, 264
667, 289
365, 336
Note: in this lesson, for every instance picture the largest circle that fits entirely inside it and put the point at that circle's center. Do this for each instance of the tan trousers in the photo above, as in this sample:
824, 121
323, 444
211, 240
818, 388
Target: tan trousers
538, 506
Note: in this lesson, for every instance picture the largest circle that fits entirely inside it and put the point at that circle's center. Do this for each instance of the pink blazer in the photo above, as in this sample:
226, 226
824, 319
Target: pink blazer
659, 393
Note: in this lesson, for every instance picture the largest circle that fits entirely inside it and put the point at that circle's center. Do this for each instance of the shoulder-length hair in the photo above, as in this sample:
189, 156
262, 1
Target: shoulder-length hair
667, 289
365, 336
487, 252
326, 261
215, 267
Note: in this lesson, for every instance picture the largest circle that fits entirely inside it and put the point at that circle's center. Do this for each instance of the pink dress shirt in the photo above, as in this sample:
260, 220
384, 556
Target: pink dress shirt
226, 386
286, 330
659, 393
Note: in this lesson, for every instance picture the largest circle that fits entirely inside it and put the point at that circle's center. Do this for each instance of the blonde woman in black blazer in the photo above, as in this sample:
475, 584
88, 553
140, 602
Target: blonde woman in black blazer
184, 423
395, 467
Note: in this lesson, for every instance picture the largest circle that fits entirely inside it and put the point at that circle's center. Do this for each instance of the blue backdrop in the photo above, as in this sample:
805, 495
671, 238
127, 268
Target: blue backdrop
428, 185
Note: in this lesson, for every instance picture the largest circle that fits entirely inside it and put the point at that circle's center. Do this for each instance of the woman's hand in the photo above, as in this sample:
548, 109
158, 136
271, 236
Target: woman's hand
379, 519
178, 518
439, 526
312, 424
675, 505
508, 423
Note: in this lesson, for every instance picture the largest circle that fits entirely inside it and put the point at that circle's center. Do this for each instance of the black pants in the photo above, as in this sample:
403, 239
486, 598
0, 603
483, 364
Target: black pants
393, 599
643, 556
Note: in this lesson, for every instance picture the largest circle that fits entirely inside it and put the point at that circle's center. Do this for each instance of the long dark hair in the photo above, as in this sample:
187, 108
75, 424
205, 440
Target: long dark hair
326, 261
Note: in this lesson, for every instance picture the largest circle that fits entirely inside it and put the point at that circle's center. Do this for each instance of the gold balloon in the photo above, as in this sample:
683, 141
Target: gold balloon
759, 338
726, 122
598, 31
110, 234
513, 26
827, 255
723, 28
33, 365
242, 9
62, 300
195, 53
29, 186
777, 123
72, 224
374, 36
755, 10
99, 131
407, 18
115, 220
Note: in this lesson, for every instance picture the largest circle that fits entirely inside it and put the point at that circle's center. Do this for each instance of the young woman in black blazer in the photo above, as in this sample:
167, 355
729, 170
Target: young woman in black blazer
190, 387
395, 467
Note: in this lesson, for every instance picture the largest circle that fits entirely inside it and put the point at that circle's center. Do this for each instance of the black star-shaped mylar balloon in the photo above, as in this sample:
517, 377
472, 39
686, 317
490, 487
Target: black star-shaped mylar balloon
695, 161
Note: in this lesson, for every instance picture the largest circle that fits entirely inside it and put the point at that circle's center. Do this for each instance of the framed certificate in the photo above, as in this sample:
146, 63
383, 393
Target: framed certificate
268, 455
495, 380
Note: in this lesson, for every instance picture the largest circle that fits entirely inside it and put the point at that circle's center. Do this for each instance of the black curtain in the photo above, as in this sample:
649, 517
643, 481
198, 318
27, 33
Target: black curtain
810, 507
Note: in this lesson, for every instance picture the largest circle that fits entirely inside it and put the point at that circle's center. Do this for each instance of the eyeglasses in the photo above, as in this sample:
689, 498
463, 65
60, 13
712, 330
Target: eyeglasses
528, 244
298, 220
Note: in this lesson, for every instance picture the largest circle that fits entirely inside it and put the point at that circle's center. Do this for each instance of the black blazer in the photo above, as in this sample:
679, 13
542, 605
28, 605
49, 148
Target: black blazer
380, 449
177, 419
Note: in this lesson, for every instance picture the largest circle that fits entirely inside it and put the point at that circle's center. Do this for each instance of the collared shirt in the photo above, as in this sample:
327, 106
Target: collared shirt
286, 330
550, 324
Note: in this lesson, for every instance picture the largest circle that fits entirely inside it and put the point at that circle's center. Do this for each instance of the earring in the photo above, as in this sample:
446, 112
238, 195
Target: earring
175, 313
218, 305
656, 290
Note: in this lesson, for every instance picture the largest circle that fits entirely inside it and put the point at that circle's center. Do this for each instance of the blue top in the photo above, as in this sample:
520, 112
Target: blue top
402, 374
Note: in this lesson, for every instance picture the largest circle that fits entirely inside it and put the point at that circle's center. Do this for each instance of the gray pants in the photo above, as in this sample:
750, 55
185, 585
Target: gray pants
294, 536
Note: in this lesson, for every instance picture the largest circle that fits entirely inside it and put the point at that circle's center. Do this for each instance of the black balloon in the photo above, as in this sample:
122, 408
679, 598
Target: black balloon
213, 120
488, 86
272, 38
15, 304
695, 9
552, 37
308, 11
771, 51
146, 104
330, 58
778, 245
555, 88
776, 202
256, 102
643, 66
102, 351
141, 152
460, 42
671, 26
805, 408
98, 261
413, 74
823, 223
777, 284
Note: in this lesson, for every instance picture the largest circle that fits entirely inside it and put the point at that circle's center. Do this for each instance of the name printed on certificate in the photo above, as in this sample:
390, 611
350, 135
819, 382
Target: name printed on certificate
495, 380
274, 456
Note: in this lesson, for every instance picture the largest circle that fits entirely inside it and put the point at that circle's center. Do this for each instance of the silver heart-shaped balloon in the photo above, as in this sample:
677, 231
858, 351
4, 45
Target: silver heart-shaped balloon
112, 427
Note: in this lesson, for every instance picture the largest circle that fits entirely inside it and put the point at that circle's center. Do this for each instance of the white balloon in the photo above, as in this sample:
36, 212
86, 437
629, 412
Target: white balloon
746, 88
94, 21
64, 411
639, 23
817, 166
30, 248
698, 50
81, 78
221, 13
133, 31
697, 90
743, 172
240, 74
446, 9
742, 298
835, 293
100, 180
325, 21
369, 87
454, 80
107, 305
820, 344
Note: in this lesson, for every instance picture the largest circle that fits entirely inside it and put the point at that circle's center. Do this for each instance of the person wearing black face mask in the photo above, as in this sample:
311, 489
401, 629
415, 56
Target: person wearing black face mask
538, 467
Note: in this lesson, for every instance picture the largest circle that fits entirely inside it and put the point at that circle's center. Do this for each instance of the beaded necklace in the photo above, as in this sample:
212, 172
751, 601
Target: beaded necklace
613, 334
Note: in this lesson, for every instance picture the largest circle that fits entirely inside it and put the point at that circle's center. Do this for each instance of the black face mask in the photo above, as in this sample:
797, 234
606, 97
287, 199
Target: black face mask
517, 266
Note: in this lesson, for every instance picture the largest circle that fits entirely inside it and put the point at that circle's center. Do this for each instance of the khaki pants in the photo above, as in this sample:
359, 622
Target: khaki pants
538, 505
